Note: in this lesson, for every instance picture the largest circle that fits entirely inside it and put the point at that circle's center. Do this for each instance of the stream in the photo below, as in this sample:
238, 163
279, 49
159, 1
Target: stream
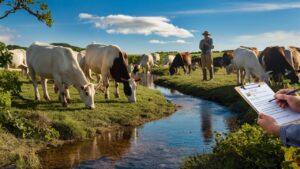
158, 144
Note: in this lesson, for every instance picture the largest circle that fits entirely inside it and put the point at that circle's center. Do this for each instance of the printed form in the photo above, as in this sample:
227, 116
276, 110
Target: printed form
259, 95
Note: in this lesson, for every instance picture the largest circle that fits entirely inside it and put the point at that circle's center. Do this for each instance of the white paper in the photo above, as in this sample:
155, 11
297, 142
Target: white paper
259, 95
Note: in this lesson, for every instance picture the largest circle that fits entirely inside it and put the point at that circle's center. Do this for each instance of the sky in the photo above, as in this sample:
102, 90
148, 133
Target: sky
140, 26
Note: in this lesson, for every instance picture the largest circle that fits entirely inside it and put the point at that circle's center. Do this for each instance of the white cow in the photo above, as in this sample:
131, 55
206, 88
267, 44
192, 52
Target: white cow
109, 61
18, 60
247, 64
146, 62
59, 64
168, 60
156, 57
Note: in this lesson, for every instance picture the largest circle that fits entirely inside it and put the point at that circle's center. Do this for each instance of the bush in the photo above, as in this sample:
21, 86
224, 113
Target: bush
249, 147
69, 130
24, 128
5, 55
292, 158
5, 100
10, 82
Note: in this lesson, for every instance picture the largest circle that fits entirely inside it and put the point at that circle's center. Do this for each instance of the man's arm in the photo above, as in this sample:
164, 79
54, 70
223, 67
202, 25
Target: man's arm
290, 135
201, 45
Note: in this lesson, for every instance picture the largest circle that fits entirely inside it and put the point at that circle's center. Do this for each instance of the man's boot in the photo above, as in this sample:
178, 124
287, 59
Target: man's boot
211, 74
204, 74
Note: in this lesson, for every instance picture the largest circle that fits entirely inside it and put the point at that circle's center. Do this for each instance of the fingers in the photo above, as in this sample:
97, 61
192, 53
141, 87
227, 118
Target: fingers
282, 91
281, 96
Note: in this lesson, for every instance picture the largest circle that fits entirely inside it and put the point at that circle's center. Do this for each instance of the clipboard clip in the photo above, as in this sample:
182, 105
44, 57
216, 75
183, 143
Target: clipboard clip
250, 86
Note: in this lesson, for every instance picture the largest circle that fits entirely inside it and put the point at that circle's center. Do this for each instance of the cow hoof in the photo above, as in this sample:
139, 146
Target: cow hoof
68, 101
117, 96
47, 98
65, 104
106, 96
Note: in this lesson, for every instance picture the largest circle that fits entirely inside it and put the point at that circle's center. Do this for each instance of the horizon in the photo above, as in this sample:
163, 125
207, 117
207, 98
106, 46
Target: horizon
164, 27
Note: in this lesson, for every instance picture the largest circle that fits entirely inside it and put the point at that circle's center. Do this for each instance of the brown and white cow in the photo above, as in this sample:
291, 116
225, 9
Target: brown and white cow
273, 60
59, 64
181, 60
110, 62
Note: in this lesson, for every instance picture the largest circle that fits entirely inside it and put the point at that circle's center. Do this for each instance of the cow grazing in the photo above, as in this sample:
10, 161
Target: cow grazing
109, 61
247, 64
168, 60
146, 62
273, 59
18, 60
59, 64
181, 60
156, 57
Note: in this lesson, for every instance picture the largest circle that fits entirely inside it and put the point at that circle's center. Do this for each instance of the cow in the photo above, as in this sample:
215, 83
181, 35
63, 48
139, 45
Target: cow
168, 60
247, 64
273, 59
109, 61
18, 60
59, 64
156, 57
181, 60
146, 62
295, 57
196, 63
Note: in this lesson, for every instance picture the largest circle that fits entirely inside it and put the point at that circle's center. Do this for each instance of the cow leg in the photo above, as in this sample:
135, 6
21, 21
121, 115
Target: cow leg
117, 94
35, 84
248, 76
238, 73
45, 90
67, 92
243, 76
106, 85
184, 70
61, 88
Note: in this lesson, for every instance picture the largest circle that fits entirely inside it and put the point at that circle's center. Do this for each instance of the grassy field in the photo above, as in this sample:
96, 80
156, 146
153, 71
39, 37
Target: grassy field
73, 122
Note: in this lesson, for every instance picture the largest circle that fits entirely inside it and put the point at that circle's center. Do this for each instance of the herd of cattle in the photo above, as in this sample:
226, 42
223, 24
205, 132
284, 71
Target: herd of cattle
67, 67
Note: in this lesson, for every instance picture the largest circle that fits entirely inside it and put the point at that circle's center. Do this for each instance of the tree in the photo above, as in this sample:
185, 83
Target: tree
5, 55
33, 7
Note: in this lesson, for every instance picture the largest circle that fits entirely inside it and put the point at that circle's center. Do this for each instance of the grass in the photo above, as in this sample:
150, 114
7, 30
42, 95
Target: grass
74, 122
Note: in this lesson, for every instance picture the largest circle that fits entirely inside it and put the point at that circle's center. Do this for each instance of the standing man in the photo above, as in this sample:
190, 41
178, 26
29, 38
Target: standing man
206, 45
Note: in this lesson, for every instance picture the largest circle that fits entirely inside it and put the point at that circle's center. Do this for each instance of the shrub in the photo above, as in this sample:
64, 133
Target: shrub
5, 100
10, 82
24, 128
249, 147
5, 55
69, 130
292, 158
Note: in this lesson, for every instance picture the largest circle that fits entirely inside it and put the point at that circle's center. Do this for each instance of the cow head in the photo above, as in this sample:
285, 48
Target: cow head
130, 87
230, 68
172, 70
292, 76
266, 78
87, 93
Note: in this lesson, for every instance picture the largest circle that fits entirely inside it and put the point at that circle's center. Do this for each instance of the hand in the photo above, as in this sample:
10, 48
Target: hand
283, 100
268, 124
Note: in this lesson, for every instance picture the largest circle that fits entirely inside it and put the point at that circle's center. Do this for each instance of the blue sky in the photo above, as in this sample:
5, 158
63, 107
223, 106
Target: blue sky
140, 26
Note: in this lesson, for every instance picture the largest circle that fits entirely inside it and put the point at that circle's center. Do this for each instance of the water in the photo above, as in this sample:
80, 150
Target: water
158, 144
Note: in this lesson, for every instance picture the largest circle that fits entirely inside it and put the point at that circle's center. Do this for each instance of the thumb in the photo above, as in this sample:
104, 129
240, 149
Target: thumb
281, 96
261, 115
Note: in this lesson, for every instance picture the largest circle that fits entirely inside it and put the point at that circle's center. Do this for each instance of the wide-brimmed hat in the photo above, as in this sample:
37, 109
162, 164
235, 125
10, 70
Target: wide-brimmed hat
205, 33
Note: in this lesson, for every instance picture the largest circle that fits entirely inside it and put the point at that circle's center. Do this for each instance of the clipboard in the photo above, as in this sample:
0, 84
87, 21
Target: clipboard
257, 95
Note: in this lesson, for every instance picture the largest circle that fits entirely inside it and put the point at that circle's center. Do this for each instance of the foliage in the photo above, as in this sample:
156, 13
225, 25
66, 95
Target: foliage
10, 82
5, 100
292, 158
33, 7
21, 127
69, 130
12, 47
5, 55
75, 48
134, 59
249, 147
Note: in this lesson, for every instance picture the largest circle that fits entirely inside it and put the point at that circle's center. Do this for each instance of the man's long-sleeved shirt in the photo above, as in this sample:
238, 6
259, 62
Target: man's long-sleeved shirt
205, 49
290, 135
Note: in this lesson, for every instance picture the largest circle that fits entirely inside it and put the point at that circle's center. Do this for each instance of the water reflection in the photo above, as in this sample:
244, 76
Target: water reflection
206, 126
111, 144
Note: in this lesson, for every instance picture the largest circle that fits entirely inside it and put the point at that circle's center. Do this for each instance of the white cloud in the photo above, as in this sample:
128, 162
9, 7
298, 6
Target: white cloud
145, 25
246, 7
7, 35
262, 40
179, 41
